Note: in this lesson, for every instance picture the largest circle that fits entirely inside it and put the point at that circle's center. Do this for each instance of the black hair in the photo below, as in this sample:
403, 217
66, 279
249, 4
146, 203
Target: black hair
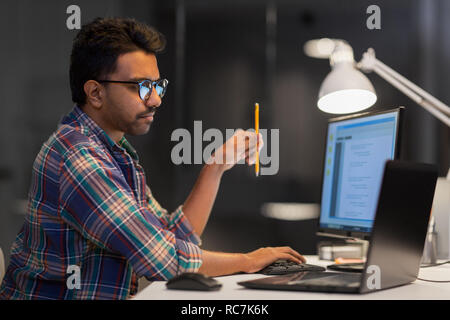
99, 43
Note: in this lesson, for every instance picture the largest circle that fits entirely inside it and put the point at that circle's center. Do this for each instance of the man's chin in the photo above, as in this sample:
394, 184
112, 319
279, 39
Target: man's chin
140, 130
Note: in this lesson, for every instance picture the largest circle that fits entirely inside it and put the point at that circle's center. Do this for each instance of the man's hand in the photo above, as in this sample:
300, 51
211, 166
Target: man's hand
243, 144
220, 264
258, 259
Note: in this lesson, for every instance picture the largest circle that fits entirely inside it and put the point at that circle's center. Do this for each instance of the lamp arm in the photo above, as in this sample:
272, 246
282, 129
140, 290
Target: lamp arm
427, 101
422, 93
427, 105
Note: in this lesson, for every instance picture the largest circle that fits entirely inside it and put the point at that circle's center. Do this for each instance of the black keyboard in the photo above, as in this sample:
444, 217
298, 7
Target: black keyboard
280, 267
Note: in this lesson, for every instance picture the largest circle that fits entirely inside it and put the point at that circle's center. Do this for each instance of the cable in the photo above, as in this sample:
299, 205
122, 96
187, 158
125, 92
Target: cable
434, 265
443, 281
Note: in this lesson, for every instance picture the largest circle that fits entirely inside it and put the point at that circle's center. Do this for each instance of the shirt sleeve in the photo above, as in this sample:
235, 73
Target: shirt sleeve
176, 222
96, 200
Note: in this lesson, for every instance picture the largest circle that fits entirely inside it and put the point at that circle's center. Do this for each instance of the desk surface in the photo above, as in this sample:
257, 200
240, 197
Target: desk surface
421, 290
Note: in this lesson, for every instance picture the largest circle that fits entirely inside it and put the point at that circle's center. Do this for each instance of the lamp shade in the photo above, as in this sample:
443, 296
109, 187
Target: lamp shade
346, 90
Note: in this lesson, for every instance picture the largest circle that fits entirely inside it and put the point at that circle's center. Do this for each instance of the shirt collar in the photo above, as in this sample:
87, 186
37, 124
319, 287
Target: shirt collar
79, 119
129, 148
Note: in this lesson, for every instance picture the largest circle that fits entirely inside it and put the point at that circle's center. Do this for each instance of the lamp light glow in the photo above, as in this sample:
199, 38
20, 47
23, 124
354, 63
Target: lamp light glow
346, 90
346, 101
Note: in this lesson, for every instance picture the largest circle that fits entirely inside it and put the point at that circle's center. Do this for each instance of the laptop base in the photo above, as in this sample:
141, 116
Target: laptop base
309, 281
347, 267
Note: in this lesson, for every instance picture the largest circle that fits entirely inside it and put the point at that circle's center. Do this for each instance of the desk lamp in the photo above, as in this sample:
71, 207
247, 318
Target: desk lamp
346, 89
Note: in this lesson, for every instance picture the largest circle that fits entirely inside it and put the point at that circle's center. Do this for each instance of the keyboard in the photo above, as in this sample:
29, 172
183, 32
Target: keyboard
281, 267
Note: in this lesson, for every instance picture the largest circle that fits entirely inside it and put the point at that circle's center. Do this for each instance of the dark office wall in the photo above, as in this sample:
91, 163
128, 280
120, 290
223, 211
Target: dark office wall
218, 66
34, 90
228, 70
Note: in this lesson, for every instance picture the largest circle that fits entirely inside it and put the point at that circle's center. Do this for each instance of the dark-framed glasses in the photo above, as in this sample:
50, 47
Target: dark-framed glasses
146, 87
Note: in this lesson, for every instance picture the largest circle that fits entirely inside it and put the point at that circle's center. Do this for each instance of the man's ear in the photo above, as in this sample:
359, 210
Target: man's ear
95, 93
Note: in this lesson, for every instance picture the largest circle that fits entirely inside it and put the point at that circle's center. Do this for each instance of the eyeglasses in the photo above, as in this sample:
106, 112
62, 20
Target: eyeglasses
146, 87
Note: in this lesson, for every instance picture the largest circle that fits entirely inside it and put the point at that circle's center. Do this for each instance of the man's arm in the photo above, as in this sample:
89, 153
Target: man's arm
198, 205
219, 264
97, 201
200, 201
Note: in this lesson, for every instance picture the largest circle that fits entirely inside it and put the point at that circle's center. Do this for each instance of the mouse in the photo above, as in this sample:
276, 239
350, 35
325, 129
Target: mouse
193, 281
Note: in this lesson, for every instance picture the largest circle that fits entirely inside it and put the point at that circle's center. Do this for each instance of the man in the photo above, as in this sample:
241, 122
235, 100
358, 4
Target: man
89, 206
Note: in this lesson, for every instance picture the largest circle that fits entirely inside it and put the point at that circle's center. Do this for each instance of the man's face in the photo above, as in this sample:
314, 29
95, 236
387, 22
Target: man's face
124, 110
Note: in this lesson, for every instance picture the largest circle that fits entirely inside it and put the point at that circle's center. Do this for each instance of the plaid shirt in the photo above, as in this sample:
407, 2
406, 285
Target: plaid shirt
89, 206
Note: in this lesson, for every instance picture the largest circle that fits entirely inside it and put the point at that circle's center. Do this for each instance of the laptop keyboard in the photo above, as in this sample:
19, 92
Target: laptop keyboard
281, 267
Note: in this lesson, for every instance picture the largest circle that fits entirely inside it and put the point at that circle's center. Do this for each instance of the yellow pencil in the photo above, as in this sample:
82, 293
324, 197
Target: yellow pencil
257, 133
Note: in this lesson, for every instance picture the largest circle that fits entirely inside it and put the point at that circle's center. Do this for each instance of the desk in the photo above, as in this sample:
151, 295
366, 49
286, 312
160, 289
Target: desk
232, 291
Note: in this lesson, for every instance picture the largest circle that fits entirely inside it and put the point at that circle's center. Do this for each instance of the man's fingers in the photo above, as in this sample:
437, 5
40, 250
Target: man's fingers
248, 136
294, 253
252, 158
242, 145
287, 256
251, 144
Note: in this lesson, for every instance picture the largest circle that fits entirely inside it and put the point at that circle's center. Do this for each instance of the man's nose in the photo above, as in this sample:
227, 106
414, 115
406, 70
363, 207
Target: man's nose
154, 100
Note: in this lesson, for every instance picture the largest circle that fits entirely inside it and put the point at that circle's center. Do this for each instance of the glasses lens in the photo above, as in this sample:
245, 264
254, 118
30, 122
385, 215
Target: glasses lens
145, 90
161, 87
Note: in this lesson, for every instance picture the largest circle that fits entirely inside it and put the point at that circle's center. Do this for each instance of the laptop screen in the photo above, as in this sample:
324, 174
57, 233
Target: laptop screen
357, 148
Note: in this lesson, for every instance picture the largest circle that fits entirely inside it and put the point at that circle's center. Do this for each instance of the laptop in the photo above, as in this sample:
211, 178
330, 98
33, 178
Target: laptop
396, 242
